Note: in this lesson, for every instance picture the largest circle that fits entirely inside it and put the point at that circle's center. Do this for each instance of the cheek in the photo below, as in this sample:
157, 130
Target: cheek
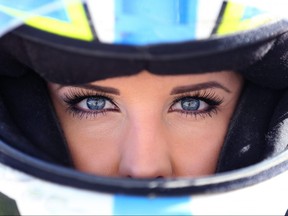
93, 144
197, 144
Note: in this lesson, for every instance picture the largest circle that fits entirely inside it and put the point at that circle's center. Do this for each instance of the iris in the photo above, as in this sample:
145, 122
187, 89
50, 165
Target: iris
96, 103
190, 104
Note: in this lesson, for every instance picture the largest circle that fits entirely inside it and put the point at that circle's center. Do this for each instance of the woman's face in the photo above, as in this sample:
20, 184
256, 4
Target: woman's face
148, 126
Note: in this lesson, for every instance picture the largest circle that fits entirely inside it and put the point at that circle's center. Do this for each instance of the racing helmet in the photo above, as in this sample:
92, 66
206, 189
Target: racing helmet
60, 40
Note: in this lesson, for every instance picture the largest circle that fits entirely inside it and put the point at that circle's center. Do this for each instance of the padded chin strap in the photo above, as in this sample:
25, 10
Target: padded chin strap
245, 142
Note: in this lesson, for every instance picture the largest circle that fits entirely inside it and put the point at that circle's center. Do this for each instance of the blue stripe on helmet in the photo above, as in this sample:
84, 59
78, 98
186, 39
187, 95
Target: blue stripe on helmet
143, 22
33, 6
133, 205
251, 12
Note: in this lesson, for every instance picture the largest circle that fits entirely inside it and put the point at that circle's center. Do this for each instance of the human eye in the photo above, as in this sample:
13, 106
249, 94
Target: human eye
197, 104
95, 104
89, 104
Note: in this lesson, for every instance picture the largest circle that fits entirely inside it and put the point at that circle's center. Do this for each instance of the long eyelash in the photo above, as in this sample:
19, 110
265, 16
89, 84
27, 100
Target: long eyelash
208, 96
73, 97
84, 114
202, 114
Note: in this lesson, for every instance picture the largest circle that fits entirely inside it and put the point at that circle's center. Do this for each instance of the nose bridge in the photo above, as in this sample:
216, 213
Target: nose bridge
146, 153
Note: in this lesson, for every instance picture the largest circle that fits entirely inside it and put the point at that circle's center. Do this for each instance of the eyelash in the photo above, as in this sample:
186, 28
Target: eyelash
208, 96
73, 97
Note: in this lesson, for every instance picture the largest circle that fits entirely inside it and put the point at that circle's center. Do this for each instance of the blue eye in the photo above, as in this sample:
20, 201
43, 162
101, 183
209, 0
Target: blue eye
190, 104
95, 103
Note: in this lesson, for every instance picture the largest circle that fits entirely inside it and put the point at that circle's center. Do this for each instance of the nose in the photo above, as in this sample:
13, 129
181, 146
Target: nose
145, 152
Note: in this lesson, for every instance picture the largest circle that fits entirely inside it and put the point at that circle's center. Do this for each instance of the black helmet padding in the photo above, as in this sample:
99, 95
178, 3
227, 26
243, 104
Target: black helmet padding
245, 142
27, 120
29, 123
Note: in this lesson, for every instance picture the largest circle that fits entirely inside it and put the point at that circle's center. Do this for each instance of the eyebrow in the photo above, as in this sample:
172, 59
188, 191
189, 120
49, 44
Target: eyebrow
108, 90
176, 90
197, 87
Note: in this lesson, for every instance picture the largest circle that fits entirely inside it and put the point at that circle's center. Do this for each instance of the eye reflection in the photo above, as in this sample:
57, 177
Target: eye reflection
190, 104
95, 103
194, 105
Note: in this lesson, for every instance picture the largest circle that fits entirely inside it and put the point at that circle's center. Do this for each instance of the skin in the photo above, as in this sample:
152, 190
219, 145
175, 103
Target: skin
147, 135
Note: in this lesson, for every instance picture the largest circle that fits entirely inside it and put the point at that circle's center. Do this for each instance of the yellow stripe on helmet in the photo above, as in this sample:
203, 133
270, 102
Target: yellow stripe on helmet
78, 27
232, 20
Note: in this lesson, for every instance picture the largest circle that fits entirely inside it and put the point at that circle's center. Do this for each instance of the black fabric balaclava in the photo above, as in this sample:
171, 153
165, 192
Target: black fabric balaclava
28, 120
257, 128
245, 142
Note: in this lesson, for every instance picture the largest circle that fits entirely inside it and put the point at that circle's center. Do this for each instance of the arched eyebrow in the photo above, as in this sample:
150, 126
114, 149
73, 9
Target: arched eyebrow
197, 87
176, 90
98, 88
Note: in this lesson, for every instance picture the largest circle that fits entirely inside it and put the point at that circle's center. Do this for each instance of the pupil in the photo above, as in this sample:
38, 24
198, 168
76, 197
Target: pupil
190, 104
95, 103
